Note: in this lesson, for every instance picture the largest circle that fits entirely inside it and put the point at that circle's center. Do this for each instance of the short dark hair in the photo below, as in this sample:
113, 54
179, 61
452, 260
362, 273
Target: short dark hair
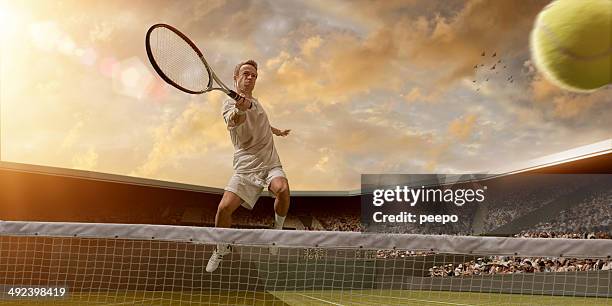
247, 62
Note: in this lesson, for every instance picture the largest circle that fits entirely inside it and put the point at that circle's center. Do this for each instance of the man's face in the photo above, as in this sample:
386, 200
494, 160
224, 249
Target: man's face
247, 75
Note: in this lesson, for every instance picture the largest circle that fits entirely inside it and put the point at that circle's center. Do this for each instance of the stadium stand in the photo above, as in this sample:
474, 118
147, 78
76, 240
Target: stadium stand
524, 202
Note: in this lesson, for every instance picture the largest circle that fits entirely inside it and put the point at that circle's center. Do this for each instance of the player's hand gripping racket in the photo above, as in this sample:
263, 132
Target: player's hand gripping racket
180, 63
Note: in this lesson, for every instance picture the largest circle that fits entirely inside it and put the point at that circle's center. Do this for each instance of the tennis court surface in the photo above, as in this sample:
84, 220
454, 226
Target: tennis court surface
356, 297
120, 264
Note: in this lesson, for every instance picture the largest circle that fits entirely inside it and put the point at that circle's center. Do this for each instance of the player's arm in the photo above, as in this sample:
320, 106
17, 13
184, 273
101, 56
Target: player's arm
234, 117
234, 112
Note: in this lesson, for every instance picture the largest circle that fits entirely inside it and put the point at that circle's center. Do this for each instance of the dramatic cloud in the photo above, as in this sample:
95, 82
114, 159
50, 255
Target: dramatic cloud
461, 128
365, 86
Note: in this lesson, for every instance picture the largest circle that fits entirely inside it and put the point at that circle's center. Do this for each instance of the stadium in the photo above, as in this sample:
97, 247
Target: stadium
305, 152
141, 241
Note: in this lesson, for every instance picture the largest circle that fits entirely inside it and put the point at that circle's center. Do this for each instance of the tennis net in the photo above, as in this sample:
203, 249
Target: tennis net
124, 264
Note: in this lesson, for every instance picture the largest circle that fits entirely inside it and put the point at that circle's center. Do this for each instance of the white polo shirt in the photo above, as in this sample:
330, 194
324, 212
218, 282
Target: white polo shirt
253, 141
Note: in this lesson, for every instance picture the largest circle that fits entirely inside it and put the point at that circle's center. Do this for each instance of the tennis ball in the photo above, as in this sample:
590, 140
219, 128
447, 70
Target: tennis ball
570, 43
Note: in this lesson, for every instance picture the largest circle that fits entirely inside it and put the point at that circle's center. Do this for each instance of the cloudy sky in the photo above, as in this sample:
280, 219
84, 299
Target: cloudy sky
365, 87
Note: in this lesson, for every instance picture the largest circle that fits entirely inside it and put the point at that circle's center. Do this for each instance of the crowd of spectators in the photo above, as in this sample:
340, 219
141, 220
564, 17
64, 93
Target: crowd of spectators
258, 220
400, 253
344, 222
507, 202
522, 198
593, 214
588, 219
566, 235
516, 265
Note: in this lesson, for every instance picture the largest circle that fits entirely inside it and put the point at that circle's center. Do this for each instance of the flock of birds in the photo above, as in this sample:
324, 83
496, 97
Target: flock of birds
498, 66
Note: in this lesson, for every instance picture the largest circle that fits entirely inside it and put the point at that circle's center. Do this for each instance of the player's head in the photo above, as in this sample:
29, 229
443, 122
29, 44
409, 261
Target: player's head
245, 75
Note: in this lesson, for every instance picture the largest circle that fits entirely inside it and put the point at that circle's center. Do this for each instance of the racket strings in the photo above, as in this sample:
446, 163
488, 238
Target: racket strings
178, 60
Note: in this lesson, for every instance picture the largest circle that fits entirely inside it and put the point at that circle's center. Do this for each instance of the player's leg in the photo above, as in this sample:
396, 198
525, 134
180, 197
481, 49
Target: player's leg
279, 186
229, 203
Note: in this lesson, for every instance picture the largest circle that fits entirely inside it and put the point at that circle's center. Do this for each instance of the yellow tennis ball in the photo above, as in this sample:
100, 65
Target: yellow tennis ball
570, 43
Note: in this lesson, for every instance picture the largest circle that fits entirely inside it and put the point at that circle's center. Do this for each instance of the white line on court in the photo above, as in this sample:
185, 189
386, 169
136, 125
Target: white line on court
418, 300
437, 302
132, 302
322, 300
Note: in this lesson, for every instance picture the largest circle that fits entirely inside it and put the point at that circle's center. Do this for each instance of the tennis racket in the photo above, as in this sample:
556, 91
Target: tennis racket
180, 63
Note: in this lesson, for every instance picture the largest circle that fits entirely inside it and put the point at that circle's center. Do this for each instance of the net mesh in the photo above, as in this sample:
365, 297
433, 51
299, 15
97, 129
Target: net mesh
114, 264
178, 60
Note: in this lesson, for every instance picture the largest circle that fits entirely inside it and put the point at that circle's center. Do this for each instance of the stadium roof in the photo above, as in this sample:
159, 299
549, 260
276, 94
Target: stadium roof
124, 179
579, 153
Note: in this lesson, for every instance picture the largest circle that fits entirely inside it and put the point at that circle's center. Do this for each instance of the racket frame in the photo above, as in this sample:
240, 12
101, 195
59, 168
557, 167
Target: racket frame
211, 73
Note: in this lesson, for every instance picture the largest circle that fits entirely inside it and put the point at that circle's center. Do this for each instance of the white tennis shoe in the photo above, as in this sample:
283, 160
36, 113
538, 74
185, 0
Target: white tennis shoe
217, 257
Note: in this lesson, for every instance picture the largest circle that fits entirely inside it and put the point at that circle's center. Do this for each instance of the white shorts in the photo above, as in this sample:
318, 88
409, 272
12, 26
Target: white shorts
249, 186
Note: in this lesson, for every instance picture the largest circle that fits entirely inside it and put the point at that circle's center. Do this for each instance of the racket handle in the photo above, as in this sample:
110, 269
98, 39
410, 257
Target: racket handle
234, 95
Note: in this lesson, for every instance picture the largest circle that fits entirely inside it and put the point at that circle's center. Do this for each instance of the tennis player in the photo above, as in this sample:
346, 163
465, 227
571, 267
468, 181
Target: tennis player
256, 163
